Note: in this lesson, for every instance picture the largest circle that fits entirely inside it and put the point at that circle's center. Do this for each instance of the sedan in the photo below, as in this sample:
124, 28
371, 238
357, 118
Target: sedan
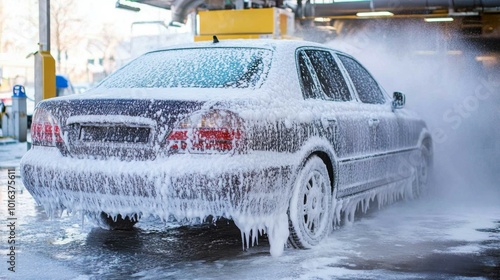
285, 138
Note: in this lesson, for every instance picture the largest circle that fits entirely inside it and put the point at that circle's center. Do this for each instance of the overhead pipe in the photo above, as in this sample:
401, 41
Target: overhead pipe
181, 8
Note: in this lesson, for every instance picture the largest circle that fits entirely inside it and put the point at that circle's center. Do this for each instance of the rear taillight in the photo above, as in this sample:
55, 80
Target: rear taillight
209, 131
45, 130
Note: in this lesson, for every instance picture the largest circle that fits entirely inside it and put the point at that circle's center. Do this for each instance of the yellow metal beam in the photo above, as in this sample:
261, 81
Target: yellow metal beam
249, 21
229, 37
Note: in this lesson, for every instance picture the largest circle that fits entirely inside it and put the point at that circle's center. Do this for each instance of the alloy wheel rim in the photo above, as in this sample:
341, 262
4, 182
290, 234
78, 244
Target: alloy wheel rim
314, 203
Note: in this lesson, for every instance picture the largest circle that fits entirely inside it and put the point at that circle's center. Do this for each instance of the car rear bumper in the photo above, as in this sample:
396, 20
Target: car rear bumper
180, 186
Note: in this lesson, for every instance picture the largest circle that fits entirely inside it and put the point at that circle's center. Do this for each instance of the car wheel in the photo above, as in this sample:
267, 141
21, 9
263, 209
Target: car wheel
421, 184
119, 223
310, 205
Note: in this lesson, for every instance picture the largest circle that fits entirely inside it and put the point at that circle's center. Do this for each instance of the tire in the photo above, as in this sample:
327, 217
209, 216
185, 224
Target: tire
310, 206
423, 173
120, 223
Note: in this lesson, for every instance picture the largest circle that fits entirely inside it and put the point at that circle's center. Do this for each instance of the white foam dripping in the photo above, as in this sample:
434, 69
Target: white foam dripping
383, 195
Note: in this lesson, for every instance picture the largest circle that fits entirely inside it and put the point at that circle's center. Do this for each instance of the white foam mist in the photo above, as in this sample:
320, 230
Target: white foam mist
445, 83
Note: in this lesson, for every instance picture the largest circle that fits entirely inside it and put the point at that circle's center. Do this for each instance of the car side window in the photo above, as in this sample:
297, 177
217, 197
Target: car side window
329, 75
309, 89
366, 86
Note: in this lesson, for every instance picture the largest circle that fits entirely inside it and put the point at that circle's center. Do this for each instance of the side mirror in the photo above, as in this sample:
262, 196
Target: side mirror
398, 100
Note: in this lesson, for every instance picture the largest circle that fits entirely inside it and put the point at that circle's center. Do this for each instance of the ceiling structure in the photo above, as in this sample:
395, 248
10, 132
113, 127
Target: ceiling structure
399, 8
339, 8
182, 8
476, 20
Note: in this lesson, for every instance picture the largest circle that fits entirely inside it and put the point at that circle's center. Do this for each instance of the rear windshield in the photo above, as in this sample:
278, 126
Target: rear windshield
195, 68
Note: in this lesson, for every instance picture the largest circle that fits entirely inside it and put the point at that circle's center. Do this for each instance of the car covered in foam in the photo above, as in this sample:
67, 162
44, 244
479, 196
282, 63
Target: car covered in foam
285, 138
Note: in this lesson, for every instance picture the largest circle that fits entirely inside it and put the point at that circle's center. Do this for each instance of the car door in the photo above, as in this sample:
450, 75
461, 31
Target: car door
383, 124
323, 82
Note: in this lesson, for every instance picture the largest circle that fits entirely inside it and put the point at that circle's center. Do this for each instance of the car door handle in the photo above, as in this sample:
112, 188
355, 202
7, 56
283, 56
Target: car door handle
332, 121
329, 122
373, 122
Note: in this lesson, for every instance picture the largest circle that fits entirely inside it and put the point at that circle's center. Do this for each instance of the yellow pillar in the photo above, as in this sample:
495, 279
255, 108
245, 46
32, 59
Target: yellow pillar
45, 65
48, 74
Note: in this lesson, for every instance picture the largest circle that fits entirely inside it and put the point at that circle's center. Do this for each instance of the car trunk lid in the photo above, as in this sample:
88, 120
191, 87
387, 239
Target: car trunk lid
128, 129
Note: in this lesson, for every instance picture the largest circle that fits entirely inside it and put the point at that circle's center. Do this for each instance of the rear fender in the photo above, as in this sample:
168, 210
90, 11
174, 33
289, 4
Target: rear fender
317, 145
